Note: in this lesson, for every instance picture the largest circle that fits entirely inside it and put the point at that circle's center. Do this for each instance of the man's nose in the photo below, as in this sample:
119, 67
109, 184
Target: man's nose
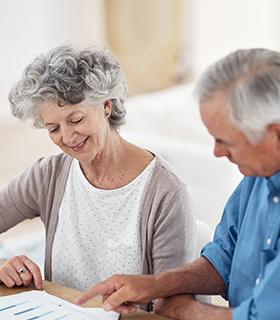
220, 150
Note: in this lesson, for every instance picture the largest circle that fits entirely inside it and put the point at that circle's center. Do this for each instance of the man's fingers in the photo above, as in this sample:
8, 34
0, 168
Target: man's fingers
84, 298
116, 301
115, 298
119, 289
125, 308
100, 289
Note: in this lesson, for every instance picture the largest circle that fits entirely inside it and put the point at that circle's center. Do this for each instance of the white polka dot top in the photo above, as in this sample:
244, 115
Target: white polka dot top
98, 231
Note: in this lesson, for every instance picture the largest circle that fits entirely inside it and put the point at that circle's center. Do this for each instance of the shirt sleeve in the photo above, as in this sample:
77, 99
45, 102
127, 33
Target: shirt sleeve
221, 250
264, 303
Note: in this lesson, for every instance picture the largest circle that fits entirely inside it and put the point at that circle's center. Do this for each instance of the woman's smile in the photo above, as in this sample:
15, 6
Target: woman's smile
80, 146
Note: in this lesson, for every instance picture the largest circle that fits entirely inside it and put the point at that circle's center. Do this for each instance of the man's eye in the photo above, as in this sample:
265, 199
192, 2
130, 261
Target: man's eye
53, 130
75, 122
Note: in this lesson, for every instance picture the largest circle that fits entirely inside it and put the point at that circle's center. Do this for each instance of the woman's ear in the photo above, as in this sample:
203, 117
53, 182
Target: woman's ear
107, 106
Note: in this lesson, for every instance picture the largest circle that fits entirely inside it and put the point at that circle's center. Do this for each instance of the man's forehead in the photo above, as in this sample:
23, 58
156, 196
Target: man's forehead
215, 116
215, 107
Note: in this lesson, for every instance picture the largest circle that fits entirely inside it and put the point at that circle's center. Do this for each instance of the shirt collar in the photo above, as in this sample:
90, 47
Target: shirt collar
274, 181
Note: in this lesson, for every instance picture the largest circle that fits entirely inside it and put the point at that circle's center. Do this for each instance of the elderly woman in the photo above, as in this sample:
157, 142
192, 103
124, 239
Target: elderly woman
108, 206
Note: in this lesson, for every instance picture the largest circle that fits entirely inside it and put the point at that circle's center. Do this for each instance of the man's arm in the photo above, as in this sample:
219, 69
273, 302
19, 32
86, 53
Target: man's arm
121, 292
186, 307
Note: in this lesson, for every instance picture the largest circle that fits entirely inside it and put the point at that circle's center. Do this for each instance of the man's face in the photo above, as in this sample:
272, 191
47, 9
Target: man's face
260, 160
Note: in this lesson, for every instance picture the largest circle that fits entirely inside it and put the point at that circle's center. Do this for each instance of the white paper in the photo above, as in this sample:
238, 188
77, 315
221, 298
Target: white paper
40, 305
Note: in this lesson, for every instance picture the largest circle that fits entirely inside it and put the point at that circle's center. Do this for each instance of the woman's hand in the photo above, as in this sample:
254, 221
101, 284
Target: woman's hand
20, 270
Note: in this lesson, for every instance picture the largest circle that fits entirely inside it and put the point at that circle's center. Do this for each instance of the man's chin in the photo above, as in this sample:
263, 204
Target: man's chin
249, 173
245, 172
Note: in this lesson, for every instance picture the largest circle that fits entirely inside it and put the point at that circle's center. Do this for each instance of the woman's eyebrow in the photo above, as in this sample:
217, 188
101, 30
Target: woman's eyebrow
69, 116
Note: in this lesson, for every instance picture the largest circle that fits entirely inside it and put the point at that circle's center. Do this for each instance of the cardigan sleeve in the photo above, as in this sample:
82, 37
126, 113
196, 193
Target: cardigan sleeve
174, 240
19, 198
31, 193
169, 230
168, 225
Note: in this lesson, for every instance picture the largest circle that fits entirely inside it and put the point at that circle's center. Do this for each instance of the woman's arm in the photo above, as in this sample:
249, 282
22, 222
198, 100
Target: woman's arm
173, 242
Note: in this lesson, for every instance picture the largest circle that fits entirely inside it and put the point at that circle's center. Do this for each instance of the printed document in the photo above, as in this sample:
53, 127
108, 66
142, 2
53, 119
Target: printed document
39, 305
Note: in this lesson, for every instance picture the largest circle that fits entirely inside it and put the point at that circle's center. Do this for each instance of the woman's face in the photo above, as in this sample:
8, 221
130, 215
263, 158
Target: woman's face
79, 130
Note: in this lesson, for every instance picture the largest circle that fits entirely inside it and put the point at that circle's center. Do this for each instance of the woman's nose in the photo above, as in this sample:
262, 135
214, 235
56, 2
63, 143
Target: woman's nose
68, 135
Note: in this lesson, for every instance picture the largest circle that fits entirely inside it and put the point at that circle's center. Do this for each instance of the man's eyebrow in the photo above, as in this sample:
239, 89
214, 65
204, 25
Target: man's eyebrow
223, 142
226, 143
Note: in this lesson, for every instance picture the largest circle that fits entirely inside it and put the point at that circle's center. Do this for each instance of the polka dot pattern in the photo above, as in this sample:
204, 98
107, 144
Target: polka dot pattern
98, 231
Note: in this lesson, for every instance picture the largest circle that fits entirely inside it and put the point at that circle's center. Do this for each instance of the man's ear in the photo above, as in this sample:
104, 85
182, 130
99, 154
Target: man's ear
275, 129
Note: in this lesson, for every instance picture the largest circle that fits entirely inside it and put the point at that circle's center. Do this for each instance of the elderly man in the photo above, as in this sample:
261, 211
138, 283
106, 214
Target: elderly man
239, 100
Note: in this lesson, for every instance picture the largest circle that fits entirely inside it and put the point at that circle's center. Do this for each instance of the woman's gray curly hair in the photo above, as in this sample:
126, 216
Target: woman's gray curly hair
69, 75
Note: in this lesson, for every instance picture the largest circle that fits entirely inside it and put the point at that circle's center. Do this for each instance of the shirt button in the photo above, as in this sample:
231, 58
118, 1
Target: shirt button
268, 241
275, 199
257, 281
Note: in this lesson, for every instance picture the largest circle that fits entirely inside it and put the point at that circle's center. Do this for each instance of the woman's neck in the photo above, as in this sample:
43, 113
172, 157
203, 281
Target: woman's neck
118, 164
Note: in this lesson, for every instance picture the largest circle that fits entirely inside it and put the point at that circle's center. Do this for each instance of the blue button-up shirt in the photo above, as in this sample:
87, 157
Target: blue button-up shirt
246, 249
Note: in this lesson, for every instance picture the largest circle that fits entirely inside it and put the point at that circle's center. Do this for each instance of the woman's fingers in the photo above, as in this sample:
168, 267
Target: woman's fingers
34, 271
9, 278
20, 270
9, 274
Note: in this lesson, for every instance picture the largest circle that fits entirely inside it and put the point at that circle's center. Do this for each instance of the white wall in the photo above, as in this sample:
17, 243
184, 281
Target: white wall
213, 29
218, 27
30, 27
22, 33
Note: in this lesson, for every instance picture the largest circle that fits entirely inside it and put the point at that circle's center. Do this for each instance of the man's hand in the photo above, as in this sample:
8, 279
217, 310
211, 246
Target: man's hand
122, 292
20, 270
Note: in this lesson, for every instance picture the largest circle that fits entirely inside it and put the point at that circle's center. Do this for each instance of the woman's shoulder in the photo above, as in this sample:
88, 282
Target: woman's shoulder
166, 175
54, 160
50, 165
45, 170
167, 169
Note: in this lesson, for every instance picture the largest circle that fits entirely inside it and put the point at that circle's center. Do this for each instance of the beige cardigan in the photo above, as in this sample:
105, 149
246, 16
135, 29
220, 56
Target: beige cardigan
167, 227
